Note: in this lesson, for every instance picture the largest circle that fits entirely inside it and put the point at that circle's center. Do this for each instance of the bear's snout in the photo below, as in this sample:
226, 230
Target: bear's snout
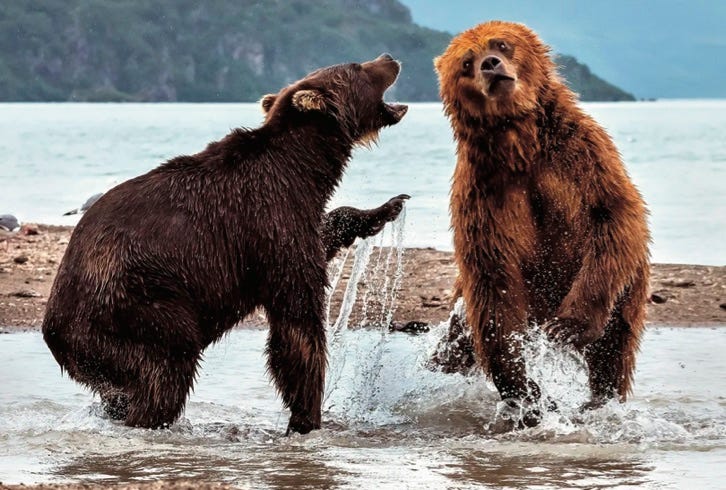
491, 63
497, 75
383, 70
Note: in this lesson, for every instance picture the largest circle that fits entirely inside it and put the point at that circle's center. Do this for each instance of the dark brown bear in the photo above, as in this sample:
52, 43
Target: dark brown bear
165, 263
548, 228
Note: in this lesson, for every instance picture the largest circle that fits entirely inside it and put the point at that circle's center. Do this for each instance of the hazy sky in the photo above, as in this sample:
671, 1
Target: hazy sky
652, 48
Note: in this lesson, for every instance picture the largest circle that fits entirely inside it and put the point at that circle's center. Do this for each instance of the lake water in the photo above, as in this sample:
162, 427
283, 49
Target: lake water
388, 422
54, 156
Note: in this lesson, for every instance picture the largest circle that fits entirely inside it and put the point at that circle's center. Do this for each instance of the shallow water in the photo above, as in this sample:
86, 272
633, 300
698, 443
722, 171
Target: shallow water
388, 421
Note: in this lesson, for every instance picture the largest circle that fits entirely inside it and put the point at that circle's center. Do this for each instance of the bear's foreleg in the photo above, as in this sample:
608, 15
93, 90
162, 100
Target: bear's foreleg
498, 316
343, 225
296, 361
296, 348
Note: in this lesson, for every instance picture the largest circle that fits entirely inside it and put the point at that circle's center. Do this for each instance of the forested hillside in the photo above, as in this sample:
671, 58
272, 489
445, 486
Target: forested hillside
214, 50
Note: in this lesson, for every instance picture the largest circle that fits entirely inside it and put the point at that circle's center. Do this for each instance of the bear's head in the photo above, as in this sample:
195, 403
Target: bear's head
346, 97
496, 69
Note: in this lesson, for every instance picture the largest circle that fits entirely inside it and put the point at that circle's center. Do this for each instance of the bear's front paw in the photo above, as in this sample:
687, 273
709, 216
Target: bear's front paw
394, 206
385, 214
570, 331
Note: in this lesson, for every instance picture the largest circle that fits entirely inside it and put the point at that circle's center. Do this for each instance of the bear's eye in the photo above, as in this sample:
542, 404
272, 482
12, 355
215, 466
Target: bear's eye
503, 46
466, 65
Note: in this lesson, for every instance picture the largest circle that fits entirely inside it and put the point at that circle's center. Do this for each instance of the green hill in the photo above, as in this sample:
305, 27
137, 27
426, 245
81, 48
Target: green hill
587, 84
215, 50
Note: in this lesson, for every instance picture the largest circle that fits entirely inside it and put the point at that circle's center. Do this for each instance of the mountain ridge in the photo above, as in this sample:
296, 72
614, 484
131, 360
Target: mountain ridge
182, 50
653, 49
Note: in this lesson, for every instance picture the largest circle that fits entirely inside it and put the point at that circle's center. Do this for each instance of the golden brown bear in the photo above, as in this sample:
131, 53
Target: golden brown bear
548, 227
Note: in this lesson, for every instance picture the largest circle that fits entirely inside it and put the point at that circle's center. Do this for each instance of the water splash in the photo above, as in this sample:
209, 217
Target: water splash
381, 290
337, 363
233, 429
561, 378
381, 283
335, 270
362, 255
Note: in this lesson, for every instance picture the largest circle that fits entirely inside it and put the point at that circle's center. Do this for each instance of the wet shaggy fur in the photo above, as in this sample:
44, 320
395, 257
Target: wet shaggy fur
548, 227
165, 263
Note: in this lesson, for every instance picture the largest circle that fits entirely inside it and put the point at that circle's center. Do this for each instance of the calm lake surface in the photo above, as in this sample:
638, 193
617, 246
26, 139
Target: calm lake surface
388, 423
54, 156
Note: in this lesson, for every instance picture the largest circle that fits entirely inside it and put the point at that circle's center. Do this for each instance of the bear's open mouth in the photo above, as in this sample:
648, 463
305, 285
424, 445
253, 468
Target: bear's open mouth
498, 77
394, 112
495, 80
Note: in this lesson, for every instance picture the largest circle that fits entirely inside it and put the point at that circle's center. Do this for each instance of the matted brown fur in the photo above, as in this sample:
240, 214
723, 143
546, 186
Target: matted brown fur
548, 227
164, 264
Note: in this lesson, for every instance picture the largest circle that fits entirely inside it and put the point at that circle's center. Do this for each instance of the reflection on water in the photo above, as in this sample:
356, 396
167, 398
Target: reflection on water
497, 470
423, 429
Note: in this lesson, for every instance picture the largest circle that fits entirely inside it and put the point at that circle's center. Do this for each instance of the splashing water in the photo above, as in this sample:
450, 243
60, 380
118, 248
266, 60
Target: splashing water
381, 288
387, 381
360, 262
562, 378
335, 270
423, 427
361, 377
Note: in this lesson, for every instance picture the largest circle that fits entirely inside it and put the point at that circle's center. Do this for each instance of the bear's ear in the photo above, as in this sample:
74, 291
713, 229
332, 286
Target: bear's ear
439, 63
308, 100
267, 102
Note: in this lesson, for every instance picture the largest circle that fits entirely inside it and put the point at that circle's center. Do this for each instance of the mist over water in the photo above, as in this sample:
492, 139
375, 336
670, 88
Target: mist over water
57, 155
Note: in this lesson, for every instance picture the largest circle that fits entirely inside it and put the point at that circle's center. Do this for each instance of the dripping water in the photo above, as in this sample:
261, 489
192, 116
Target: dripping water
381, 283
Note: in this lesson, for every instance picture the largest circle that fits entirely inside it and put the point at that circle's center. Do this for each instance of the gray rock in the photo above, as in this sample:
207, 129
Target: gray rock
8, 222
86, 205
25, 293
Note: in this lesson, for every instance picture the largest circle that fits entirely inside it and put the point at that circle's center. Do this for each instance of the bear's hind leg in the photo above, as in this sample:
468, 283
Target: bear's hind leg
604, 362
115, 403
611, 359
92, 366
611, 362
499, 325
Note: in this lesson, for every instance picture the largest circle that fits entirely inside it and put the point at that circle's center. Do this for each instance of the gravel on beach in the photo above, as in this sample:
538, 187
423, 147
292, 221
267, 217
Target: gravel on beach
681, 294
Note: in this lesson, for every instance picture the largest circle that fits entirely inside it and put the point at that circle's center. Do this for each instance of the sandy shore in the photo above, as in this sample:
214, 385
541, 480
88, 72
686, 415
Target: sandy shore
682, 295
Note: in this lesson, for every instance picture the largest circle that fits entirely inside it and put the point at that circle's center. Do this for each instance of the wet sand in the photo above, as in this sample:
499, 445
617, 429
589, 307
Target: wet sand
682, 295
